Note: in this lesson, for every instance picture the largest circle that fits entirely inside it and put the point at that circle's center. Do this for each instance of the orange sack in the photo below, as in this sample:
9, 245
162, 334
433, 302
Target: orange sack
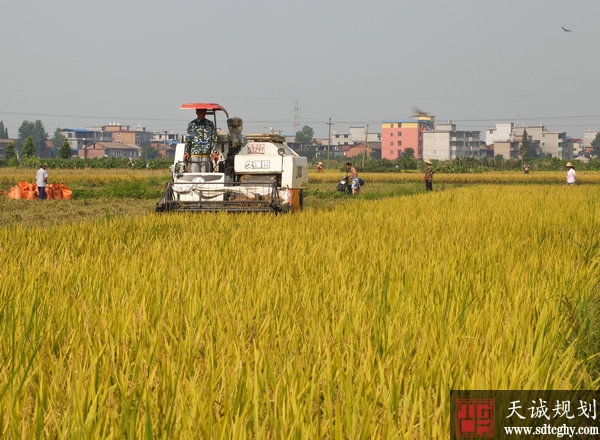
29, 195
26, 186
15, 193
29, 191
66, 192
53, 191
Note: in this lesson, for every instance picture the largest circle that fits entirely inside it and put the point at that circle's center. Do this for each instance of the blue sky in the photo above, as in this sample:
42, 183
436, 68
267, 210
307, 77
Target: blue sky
76, 63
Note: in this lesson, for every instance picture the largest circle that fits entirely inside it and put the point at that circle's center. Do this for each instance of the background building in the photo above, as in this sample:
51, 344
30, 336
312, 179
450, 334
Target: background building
400, 134
500, 133
588, 137
355, 135
447, 143
551, 143
81, 137
110, 149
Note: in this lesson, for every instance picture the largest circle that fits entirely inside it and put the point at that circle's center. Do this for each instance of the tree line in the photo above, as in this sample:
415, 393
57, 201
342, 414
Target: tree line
31, 142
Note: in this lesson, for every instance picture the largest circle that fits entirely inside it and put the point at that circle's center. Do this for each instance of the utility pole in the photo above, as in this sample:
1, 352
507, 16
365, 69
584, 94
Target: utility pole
366, 138
166, 145
329, 140
296, 117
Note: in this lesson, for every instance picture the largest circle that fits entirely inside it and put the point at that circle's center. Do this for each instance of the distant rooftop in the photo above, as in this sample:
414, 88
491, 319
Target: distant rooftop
79, 130
405, 120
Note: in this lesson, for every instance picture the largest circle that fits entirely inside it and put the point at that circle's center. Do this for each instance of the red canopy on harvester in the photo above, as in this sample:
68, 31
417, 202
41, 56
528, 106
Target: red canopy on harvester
210, 107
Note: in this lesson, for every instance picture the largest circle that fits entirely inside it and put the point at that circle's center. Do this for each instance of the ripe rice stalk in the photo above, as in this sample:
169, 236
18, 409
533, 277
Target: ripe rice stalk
351, 322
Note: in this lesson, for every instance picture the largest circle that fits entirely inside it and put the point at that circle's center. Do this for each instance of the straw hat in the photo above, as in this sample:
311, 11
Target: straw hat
569, 164
428, 162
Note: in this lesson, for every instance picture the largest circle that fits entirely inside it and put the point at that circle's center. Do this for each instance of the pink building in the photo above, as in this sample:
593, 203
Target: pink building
398, 135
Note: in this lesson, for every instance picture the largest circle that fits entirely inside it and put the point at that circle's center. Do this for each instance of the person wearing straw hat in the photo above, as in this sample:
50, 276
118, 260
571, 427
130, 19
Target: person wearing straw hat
428, 175
571, 174
320, 167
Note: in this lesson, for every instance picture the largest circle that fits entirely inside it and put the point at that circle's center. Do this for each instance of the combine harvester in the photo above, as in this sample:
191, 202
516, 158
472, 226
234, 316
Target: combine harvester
258, 173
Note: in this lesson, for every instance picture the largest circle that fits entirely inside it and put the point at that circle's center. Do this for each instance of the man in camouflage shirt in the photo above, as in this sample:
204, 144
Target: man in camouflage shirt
200, 141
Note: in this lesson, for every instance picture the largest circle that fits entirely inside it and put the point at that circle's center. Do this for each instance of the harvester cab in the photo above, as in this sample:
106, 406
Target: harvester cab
252, 173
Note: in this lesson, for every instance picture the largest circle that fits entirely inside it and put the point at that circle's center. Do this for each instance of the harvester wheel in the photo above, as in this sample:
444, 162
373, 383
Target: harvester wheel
166, 200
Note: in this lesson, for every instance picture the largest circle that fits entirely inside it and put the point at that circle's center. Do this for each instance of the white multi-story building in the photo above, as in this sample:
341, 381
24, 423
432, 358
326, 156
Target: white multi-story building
507, 140
81, 137
355, 135
500, 133
551, 143
447, 143
166, 137
588, 137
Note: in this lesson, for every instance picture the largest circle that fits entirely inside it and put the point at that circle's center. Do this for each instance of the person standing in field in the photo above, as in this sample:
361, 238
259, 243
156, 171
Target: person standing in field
526, 168
428, 175
571, 174
355, 182
41, 178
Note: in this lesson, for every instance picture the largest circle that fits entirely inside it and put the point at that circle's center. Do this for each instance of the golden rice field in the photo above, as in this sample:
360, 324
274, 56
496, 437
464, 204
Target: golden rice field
10, 176
498, 177
350, 322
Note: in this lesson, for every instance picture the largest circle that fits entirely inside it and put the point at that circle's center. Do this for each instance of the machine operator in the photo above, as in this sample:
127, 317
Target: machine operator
200, 142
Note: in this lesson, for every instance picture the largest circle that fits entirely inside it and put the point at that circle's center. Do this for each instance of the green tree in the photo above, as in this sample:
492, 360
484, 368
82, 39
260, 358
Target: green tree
29, 147
596, 146
149, 153
37, 132
3, 131
65, 150
310, 152
525, 149
10, 152
407, 161
58, 139
305, 136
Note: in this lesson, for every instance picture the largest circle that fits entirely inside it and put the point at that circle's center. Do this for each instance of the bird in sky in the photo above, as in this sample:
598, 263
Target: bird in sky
418, 112
565, 29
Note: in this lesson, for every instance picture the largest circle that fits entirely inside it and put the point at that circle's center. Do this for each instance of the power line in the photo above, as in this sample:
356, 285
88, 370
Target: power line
296, 121
296, 117
56, 115
527, 118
